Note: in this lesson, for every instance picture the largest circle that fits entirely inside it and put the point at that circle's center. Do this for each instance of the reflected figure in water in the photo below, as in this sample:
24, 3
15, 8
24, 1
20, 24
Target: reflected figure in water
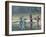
21, 24
30, 21
38, 18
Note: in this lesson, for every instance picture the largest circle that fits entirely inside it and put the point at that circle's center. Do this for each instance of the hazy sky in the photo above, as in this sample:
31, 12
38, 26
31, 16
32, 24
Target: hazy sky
25, 10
